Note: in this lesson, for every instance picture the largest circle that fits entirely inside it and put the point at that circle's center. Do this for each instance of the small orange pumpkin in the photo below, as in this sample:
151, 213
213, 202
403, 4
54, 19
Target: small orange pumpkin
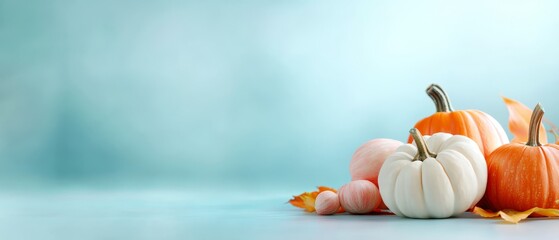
523, 176
475, 124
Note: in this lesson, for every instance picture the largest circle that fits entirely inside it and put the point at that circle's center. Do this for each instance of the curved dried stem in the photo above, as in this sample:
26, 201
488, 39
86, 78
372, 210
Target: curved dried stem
439, 97
422, 150
535, 123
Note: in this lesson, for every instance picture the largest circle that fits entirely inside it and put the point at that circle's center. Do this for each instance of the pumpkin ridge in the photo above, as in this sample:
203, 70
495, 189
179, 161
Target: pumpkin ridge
483, 123
458, 147
492, 178
550, 167
464, 116
421, 124
424, 196
436, 119
431, 191
423, 188
468, 129
496, 192
395, 156
542, 180
518, 169
428, 125
397, 188
458, 123
480, 117
451, 185
545, 190
497, 127
463, 158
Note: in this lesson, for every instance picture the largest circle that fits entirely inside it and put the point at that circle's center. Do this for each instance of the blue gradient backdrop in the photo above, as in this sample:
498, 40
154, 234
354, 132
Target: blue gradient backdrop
248, 94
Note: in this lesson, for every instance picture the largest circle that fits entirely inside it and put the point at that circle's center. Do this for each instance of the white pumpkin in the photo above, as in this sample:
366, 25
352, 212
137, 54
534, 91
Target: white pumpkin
443, 176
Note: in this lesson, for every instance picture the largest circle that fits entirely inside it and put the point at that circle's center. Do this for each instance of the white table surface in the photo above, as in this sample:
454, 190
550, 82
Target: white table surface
176, 214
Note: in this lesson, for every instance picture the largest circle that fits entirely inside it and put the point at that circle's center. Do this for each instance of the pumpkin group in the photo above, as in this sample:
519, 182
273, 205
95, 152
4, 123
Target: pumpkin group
435, 177
467, 161
475, 124
523, 176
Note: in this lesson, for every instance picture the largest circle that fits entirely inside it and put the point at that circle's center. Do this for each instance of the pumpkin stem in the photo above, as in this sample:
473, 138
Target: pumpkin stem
441, 100
422, 150
535, 123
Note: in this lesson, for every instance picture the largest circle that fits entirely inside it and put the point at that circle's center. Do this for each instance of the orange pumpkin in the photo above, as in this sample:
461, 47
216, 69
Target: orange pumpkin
523, 176
475, 124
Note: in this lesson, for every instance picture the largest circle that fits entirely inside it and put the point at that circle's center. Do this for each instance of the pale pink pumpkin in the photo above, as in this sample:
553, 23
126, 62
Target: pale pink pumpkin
369, 157
327, 203
359, 197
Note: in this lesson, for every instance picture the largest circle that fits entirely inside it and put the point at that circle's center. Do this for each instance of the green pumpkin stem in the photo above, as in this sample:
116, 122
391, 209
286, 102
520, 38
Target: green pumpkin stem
441, 100
422, 150
535, 123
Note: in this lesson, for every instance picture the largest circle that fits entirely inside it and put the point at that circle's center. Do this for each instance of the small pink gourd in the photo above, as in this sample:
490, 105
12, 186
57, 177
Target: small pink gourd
359, 197
327, 203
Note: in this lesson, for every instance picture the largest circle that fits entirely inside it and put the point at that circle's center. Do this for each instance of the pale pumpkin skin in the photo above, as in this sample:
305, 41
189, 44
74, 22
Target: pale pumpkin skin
327, 203
359, 197
435, 187
368, 159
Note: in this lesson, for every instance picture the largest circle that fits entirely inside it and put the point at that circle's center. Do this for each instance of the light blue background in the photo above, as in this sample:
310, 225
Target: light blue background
248, 95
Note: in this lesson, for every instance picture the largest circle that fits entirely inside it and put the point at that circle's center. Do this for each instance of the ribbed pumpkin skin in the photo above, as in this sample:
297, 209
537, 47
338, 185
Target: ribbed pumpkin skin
522, 177
475, 124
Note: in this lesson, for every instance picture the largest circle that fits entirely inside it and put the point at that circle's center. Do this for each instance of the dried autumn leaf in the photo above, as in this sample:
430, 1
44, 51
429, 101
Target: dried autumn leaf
555, 134
306, 200
485, 213
514, 216
323, 188
519, 121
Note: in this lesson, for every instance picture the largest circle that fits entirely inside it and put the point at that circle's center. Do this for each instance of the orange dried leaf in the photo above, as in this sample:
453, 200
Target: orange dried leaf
554, 132
519, 121
485, 213
514, 216
547, 212
323, 188
297, 201
306, 200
